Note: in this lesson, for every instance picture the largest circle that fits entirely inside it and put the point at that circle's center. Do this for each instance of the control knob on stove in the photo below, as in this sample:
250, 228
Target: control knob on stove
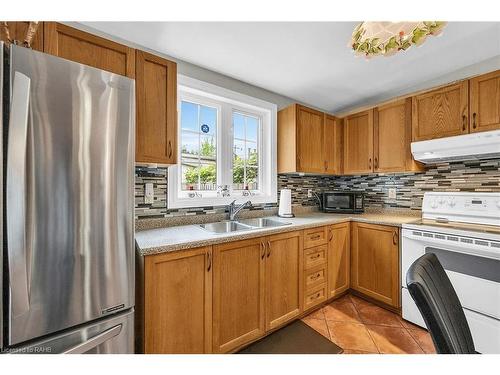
434, 204
451, 202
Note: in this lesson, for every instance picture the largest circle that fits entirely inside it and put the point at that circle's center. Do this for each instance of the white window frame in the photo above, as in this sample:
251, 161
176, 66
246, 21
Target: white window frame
227, 102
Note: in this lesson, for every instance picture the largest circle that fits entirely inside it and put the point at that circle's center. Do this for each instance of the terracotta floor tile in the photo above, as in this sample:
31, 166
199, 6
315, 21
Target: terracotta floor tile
344, 299
318, 314
359, 302
423, 339
371, 314
393, 340
352, 351
351, 336
319, 325
341, 311
408, 325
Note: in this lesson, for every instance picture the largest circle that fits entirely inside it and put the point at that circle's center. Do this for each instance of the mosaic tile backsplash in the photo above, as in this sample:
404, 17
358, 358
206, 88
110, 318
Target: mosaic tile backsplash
478, 176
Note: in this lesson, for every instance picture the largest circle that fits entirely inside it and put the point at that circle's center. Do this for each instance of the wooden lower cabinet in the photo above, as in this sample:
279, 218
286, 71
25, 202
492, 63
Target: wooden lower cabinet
238, 293
284, 288
375, 262
178, 302
339, 253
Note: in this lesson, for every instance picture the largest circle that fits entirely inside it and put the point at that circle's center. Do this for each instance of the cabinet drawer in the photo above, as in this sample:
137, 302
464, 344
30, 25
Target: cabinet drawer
315, 276
315, 256
315, 296
315, 237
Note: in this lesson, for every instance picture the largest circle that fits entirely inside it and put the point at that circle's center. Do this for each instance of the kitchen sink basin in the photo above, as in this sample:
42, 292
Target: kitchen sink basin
263, 222
225, 227
222, 227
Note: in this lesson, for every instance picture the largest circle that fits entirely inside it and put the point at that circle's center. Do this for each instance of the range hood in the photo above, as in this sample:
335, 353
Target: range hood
476, 146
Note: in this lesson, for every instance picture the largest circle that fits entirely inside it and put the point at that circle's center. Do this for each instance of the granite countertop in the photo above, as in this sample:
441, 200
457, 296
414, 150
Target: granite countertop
183, 237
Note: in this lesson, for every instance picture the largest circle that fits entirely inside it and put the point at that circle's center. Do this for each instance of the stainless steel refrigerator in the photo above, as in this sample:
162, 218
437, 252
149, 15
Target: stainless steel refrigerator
67, 206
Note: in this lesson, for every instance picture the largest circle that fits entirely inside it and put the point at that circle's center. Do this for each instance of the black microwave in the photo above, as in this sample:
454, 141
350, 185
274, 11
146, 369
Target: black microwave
348, 202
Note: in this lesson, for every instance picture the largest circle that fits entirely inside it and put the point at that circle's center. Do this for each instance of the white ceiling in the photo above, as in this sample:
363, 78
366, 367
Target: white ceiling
311, 61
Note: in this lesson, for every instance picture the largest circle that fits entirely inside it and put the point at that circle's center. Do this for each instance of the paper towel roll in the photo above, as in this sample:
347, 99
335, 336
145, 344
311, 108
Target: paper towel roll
285, 208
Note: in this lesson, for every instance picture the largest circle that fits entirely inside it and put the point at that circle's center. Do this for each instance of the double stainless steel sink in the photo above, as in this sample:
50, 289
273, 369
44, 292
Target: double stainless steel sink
222, 227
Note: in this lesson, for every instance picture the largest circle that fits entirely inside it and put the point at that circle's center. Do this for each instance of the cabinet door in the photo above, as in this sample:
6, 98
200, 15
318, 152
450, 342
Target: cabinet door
485, 102
156, 96
358, 143
390, 146
310, 138
76, 45
375, 262
17, 31
178, 302
283, 278
333, 145
338, 259
239, 291
441, 113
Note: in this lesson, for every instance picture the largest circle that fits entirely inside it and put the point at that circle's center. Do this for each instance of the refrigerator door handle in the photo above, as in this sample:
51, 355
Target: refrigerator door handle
95, 341
16, 193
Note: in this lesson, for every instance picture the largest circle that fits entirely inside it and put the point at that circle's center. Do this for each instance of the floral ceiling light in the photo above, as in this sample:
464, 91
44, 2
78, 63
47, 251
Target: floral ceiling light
386, 38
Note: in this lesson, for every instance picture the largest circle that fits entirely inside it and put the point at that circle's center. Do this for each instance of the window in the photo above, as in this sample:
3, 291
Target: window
227, 148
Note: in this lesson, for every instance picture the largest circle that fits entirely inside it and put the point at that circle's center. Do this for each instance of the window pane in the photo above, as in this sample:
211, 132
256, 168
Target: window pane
245, 152
208, 120
189, 116
239, 126
252, 178
198, 147
252, 129
252, 154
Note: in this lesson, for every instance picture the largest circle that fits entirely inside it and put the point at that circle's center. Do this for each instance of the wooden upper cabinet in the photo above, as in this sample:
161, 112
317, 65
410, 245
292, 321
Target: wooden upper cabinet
178, 302
310, 140
392, 138
339, 253
333, 145
238, 294
283, 278
156, 97
358, 143
485, 102
375, 262
18, 30
82, 47
441, 113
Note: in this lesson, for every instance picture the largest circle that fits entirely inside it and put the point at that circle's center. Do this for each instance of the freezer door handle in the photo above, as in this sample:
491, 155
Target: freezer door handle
16, 194
95, 341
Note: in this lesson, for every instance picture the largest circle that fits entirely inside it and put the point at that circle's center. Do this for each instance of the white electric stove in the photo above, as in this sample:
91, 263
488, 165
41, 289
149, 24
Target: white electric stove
463, 230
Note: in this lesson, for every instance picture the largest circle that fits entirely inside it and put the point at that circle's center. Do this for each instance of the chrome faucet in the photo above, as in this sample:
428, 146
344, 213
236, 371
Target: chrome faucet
234, 210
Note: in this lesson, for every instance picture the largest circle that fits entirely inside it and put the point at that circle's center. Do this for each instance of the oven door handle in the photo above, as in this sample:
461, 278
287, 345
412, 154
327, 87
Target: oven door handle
457, 246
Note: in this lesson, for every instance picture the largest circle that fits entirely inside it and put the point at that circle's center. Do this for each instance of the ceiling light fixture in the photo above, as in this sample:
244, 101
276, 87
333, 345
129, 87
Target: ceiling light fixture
386, 38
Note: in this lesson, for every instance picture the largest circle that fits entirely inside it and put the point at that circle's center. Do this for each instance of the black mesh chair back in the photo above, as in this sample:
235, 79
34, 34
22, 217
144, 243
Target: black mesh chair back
431, 289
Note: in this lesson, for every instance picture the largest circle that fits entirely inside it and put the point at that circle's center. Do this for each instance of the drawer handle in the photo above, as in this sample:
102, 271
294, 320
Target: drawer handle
316, 296
169, 149
316, 237
314, 277
316, 256
209, 261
